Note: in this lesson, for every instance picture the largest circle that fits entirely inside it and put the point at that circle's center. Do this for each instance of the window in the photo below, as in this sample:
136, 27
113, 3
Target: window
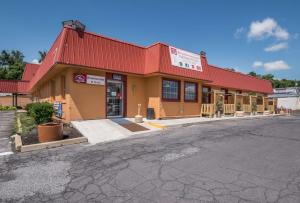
171, 90
206, 95
190, 91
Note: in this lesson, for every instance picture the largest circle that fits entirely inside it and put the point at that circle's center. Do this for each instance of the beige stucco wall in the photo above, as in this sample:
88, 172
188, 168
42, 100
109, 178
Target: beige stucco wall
22, 100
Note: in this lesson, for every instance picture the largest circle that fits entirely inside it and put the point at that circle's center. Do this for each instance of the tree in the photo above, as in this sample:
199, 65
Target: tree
276, 83
42, 56
11, 64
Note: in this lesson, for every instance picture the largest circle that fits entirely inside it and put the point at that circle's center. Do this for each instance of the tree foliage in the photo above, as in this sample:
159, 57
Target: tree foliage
277, 83
11, 64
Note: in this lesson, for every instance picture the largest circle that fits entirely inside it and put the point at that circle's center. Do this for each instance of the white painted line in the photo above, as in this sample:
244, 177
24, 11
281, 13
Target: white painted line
5, 153
4, 138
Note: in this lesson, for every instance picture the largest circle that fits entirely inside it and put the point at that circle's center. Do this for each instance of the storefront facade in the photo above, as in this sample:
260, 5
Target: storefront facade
88, 76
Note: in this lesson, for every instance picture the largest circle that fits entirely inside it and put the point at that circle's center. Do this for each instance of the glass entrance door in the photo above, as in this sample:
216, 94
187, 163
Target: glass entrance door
114, 98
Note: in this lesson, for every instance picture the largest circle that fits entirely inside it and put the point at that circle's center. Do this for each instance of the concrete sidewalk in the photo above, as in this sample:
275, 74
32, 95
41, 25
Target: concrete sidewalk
107, 130
167, 123
7, 120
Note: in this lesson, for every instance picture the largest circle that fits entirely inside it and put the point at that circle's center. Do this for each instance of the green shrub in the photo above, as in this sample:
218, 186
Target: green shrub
41, 112
7, 108
28, 108
254, 107
238, 106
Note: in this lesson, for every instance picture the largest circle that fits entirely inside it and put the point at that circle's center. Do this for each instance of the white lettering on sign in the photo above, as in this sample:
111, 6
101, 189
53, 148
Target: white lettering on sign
185, 59
95, 80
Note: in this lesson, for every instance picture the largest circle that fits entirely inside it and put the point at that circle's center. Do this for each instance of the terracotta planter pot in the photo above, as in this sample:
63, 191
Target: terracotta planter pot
50, 132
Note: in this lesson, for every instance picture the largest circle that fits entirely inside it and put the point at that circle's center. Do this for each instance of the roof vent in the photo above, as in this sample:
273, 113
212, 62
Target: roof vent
75, 24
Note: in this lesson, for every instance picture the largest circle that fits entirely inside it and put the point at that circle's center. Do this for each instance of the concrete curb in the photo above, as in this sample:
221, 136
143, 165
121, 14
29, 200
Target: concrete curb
46, 145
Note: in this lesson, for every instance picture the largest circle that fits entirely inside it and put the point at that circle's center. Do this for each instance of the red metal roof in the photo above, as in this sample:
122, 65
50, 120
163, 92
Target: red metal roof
29, 71
96, 51
230, 79
13, 86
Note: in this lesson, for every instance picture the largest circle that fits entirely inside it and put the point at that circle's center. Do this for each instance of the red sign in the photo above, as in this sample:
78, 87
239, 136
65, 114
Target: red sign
79, 78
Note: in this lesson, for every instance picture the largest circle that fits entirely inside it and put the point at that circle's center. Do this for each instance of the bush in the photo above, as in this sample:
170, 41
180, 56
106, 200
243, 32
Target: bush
238, 106
41, 112
28, 108
7, 108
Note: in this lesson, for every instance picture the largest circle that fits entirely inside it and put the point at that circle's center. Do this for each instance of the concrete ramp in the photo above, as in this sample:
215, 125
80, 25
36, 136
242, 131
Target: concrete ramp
98, 131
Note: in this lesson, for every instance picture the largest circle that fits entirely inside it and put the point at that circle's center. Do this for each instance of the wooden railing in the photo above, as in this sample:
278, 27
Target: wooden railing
207, 109
271, 108
246, 108
229, 108
260, 108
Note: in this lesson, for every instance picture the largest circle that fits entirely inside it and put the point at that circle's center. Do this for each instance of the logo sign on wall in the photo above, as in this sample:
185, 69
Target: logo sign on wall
89, 79
185, 59
79, 78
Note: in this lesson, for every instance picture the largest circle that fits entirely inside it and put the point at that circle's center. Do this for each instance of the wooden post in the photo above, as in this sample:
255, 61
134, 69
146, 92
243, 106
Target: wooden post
234, 102
250, 102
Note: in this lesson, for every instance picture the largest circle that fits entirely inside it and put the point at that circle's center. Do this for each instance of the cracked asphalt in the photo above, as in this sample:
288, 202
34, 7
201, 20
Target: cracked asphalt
255, 160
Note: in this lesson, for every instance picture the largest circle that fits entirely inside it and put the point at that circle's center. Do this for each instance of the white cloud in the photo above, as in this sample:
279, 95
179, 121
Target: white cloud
239, 32
272, 65
257, 64
276, 65
267, 28
35, 61
277, 47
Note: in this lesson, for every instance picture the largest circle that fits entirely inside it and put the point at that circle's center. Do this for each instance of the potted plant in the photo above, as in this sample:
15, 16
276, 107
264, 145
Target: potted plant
47, 129
254, 108
239, 112
219, 107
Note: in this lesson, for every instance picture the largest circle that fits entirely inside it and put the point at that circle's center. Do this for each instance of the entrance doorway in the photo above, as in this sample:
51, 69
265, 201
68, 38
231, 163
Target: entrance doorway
114, 98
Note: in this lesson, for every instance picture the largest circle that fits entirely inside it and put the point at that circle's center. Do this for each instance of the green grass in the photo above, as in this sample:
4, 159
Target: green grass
26, 123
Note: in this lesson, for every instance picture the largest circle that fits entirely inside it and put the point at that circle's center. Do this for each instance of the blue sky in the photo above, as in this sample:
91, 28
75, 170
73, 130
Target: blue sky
245, 35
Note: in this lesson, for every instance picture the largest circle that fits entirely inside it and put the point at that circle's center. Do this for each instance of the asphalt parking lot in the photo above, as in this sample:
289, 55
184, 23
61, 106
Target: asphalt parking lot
255, 160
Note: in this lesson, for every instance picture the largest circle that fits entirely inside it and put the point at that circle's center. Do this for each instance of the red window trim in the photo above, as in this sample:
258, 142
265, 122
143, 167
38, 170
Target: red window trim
196, 98
162, 90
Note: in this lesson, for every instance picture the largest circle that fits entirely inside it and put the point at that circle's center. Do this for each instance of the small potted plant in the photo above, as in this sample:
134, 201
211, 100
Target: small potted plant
239, 112
254, 108
219, 107
47, 129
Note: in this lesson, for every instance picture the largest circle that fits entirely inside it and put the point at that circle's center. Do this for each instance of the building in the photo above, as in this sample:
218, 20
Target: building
90, 76
287, 98
15, 92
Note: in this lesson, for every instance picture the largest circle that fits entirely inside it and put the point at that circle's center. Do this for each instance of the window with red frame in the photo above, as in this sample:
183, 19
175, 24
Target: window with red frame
170, 90
190, 91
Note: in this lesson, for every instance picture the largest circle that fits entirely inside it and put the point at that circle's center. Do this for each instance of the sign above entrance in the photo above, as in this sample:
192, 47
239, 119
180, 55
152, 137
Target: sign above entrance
89, 79
185, 59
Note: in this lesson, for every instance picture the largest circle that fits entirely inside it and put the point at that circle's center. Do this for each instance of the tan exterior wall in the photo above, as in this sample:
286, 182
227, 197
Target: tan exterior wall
136, 94
85, 101
22, 100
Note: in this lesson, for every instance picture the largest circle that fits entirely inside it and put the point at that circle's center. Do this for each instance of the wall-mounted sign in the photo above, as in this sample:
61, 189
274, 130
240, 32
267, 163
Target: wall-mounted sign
89, 79
117, 76
95, 80
185, 59
58, 109
79, 78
